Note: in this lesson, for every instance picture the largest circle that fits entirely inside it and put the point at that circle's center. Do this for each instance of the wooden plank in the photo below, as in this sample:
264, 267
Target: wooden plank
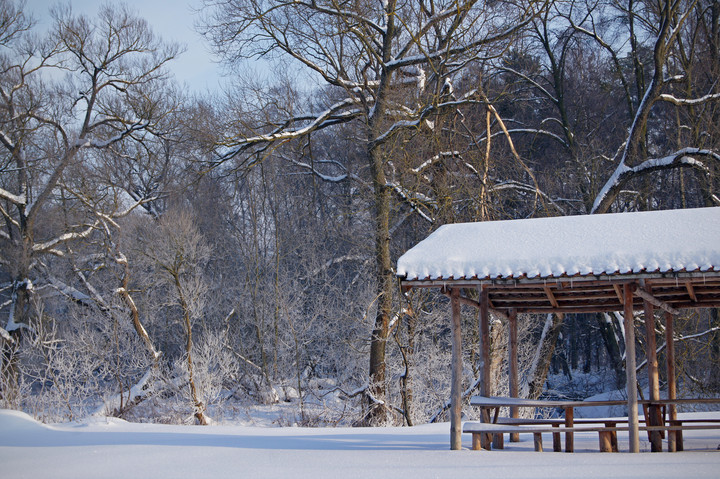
456, 384
630, 375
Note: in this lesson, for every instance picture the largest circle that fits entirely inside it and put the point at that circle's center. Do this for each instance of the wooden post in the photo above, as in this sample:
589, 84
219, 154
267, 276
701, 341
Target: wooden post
456, 385
674, 437
513, 367
630, 375
569, 436
653, 411
485, 389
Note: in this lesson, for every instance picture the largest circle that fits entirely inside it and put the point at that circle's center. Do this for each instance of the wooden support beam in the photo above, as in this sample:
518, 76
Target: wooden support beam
551, 296
513, 367
691, 290
630, 374
654, 418
647, 296
485, 387
471, 302
456, 384
674, 437
484, 318
619, 293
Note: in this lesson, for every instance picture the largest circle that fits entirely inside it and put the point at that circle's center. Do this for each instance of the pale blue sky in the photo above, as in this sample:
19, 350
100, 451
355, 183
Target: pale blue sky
173, 20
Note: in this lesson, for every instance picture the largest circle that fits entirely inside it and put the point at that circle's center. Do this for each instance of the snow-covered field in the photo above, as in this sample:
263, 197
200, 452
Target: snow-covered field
109, 448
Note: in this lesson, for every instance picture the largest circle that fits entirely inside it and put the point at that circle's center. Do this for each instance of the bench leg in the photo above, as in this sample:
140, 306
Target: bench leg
476, 441
672, 444
607, 438
537, 439
679, 441
557, 441
613, 441
480, 441
611, 437
498, 442
569, 436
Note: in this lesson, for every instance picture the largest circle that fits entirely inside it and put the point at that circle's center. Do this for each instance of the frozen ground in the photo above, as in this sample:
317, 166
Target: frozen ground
112, 448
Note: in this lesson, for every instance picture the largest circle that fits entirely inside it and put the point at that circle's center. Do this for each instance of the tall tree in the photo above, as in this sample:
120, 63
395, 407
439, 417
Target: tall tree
390, 67
83, 88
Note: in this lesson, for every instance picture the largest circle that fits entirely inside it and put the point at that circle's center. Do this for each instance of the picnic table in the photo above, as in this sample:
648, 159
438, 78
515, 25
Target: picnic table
607, 428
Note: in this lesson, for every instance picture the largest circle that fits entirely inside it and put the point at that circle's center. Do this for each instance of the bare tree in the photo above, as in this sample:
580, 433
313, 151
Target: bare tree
79, 90
390, 67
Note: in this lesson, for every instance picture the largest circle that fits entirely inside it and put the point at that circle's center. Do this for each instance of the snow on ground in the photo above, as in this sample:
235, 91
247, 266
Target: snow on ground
112, 448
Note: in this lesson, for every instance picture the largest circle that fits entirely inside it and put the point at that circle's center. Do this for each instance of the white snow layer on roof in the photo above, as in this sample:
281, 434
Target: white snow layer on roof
652, 241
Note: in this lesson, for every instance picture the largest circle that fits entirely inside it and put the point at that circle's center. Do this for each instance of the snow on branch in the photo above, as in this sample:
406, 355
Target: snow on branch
439, 157
415, 200
314, 171
16, 199
516, 185
334, 261
6, 336
330, 116
624, 173
49, 246
91, 143
689, 101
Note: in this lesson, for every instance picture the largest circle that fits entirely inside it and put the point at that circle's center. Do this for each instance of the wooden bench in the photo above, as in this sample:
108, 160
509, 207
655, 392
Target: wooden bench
607, 436
659, 409
607, 433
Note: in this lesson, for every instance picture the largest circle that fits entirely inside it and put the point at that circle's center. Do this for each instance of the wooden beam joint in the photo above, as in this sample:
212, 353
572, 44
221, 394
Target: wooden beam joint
655, 301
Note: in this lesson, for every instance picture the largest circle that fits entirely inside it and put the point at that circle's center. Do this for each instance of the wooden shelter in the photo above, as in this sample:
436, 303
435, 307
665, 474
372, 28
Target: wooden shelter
625, 262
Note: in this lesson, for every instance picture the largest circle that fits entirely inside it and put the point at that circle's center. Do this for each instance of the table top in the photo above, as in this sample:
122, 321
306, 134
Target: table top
503, 401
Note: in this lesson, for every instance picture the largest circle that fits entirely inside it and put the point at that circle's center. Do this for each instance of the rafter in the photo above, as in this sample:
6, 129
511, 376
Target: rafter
655, 301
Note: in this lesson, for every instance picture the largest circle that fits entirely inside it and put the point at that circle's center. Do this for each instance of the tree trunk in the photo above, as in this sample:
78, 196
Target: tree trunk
384, 279
546, 348
612, 345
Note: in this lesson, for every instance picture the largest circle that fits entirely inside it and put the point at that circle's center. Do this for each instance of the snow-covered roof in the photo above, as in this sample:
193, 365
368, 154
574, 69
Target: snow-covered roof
656, 242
